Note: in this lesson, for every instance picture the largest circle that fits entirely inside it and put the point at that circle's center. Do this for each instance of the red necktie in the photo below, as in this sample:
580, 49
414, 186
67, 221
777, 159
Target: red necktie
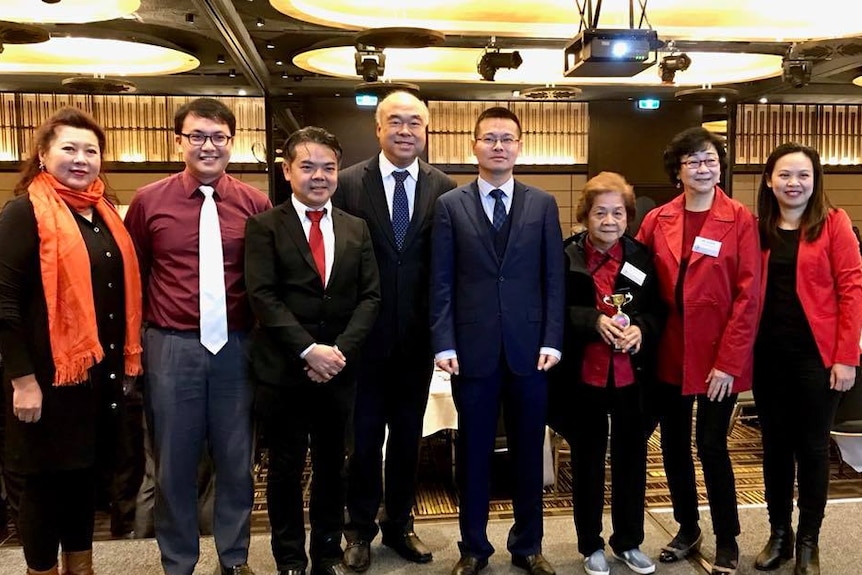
315, 242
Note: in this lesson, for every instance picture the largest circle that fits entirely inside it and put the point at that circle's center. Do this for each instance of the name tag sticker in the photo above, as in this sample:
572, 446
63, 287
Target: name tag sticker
706, 246
633, 273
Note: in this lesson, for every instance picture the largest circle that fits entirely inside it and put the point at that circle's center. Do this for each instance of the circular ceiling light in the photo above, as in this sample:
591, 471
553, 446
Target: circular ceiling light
95, 56
67, 11
764, 20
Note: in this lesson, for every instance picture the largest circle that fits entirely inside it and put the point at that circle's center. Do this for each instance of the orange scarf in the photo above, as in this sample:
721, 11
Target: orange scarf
67, 282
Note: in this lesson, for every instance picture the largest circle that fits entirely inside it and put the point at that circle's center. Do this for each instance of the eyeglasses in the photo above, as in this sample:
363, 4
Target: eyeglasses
694, 164
198, 139
491, 141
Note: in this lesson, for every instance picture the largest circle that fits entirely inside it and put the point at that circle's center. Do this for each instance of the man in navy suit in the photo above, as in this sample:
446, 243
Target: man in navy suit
394, 192
497, 301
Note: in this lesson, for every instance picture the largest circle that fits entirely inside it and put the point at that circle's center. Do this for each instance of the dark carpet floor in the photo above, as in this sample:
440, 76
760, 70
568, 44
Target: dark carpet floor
437, 497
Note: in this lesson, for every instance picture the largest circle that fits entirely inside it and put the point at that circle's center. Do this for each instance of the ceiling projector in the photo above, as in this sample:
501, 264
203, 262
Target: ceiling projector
610, 52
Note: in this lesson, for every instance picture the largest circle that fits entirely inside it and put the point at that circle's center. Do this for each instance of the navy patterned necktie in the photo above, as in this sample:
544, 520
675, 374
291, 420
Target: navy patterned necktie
499, 209
400, 209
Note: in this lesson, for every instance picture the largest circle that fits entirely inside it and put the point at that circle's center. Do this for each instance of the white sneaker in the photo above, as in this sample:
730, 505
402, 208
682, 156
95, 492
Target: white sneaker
597, 564
637, 561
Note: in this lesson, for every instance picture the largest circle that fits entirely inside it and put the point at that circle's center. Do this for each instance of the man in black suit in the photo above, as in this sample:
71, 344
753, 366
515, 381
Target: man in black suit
394, 192
313, 285
497, 304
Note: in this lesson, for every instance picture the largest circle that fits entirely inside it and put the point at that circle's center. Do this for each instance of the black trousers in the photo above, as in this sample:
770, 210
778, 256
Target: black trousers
796, 408
295, 417
391, 392
588, 438
56, 509
673, 411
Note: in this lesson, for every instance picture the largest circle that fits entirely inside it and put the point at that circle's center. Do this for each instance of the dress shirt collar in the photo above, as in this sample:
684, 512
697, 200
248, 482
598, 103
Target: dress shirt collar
595, 256
191, 184
302, 208
387, 167
485, 188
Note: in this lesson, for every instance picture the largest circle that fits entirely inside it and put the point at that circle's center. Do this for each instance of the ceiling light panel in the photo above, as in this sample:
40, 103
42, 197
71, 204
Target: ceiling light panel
94, 56
764, 20
66, 11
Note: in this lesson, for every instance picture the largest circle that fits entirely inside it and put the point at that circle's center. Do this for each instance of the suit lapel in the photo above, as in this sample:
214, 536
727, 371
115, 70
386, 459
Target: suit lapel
521, 203
421, 206
670, 221
718, 223
372, 183
297, 235
476, 214
339, 231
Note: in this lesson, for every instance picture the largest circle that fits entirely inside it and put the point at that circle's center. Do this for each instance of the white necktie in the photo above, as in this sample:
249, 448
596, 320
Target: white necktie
213, 302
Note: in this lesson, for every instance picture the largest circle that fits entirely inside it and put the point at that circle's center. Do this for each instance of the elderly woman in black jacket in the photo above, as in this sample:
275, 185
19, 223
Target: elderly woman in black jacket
612, 327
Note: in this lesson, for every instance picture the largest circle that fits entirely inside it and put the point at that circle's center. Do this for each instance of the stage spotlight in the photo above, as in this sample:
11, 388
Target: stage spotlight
670, 65
797, 73
493, 60
370, 63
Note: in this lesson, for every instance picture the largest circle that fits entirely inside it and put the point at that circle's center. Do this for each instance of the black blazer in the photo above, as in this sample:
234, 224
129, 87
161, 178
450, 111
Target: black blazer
405, 275
646, 311
288, 298
74, 416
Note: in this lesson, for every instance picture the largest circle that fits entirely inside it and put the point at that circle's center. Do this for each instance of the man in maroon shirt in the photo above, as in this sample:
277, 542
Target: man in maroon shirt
196, 387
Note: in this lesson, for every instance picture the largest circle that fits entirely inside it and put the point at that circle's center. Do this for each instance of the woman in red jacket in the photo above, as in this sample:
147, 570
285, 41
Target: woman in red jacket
707, 258
807, 346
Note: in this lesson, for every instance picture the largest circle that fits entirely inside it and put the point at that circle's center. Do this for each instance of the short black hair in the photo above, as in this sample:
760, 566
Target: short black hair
497, 112
208, 108
689, 142
310, 135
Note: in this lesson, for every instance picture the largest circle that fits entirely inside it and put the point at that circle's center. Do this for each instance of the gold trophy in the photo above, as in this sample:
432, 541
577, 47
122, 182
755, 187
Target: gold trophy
618, 300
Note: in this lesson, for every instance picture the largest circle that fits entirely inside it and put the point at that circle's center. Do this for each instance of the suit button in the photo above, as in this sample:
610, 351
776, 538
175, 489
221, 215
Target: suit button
327, 298
322, 324
501, 279
113, 406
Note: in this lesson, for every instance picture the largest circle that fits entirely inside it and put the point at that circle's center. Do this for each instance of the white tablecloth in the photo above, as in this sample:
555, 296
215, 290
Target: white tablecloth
440, 414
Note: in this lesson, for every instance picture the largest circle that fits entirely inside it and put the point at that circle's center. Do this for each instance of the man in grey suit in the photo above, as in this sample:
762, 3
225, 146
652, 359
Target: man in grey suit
497, 326
394, 192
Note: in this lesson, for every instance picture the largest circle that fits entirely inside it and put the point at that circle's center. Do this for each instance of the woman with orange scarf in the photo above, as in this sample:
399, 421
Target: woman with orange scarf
70, 319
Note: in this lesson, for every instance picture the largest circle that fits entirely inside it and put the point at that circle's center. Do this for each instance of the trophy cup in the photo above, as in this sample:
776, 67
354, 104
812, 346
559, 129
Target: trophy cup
618, 300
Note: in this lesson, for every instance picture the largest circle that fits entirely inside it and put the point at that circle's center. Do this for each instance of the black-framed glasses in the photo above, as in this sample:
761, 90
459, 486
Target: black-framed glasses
199, 139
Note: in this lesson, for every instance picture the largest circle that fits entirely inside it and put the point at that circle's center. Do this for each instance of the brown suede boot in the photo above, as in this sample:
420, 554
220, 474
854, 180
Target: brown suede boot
52, 571
78, 562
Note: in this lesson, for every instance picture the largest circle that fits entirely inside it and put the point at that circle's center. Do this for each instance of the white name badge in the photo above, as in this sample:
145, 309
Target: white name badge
633, 273
706, 246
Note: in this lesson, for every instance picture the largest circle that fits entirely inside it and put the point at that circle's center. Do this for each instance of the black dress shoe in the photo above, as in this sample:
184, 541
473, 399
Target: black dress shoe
241, 569
334, 569
408, 545
357, 556
468, 565
686, 542
807, 556
777, 550
534, 564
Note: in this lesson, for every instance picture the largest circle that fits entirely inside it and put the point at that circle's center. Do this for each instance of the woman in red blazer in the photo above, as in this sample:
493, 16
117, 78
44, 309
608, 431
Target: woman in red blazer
707, 259
807, 346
